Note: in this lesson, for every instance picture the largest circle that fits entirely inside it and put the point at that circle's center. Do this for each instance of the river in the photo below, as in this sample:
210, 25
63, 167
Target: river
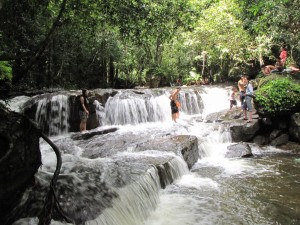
262, 190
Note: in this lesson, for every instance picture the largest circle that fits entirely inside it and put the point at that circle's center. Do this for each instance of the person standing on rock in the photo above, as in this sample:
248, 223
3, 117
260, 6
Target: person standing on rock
247, 106
242, 88
232, 99
83, 110
175, 104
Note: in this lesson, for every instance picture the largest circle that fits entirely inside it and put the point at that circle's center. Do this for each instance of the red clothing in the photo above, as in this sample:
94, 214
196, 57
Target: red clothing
283, 56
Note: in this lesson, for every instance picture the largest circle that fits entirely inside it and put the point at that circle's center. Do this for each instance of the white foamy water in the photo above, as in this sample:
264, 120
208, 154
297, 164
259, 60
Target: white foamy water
15, 104
215, 99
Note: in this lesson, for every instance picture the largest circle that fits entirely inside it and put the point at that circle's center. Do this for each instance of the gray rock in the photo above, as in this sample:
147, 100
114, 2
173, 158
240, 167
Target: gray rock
242, 150
184, 145
242, 131
275, 133
260, 140
280, 140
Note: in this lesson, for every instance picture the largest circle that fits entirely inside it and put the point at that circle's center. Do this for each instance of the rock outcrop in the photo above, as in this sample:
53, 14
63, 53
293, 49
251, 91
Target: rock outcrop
294, 129
20, 159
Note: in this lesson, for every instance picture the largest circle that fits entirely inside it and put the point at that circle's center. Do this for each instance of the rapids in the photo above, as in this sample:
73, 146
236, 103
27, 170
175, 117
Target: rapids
263, 190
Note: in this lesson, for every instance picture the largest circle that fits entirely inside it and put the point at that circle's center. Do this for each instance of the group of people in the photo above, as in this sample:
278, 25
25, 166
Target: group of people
245, 89
245, 95
280, 66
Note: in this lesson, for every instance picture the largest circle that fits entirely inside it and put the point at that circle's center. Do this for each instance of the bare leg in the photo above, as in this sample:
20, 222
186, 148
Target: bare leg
250, 116
174, 117
245, 114
82, 125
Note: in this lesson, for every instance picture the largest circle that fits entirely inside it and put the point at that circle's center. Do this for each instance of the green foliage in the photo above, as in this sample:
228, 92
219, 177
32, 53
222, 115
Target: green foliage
274, 22
193, 78
278, 95
5, 71
97, 43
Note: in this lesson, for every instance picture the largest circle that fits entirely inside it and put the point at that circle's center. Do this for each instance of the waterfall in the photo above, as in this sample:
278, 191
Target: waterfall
52, 114
125, 108
191, 102
137, 200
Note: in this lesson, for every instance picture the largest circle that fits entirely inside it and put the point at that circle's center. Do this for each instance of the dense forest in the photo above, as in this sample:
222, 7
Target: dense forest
123, 44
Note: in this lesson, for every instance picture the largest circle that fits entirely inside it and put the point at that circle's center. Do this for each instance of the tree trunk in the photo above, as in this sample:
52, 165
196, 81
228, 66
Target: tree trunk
111, 71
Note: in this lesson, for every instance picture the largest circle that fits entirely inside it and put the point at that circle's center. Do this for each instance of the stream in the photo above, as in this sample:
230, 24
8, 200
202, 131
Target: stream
262, 190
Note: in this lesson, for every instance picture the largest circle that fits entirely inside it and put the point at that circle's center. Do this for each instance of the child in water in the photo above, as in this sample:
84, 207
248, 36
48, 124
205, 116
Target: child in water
232, 98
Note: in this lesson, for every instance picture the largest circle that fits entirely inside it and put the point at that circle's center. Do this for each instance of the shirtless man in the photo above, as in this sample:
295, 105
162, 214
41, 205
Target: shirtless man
174, 104
242, 89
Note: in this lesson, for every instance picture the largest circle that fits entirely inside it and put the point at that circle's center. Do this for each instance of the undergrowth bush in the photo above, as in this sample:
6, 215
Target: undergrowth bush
278, 95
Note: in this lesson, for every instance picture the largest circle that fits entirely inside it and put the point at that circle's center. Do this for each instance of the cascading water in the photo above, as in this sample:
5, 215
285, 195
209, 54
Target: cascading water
52, 114
138, 199
217, 190
125, 108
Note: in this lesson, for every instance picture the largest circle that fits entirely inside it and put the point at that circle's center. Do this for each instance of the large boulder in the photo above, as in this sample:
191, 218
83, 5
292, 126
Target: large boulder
20, 159
88, 190
239, 150
294, 130
183, 145
242, 131
280, 140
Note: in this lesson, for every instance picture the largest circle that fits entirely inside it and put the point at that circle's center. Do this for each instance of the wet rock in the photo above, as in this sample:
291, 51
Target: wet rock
294, 130
260, 140
184, 145
86, 136
20, 159
243, 131
108, 146
280, 140
242, 150
275, 133
216, 117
